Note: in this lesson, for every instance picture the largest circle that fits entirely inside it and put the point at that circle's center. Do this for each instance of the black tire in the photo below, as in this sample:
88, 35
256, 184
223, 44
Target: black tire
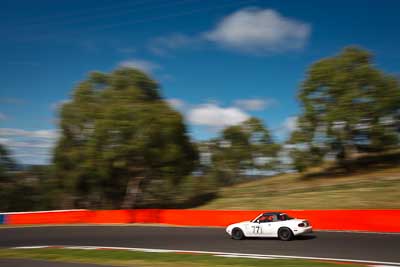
285, 234
237, 234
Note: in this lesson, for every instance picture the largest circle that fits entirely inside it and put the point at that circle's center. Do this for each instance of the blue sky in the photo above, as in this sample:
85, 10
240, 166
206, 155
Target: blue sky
218, 62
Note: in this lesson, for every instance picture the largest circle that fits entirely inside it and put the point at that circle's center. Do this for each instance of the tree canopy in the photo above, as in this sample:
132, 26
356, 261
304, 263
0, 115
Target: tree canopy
349, 106
242, 148
7, 163
117, 136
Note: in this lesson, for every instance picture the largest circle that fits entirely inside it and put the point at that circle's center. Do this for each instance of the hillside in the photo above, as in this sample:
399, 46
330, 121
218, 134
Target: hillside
368, 186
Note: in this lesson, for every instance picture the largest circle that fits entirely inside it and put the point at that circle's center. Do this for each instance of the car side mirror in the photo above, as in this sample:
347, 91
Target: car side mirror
257, 221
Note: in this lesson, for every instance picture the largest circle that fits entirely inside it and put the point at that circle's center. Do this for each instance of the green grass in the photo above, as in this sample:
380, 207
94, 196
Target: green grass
137, 259
364, 189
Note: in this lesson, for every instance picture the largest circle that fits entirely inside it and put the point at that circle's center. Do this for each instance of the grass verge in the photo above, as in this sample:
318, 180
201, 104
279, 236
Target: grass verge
372, 189
137, 259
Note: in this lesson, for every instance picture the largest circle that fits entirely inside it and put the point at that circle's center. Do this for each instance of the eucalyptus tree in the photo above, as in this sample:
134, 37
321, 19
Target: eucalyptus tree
118, 138
348, 106
243, 148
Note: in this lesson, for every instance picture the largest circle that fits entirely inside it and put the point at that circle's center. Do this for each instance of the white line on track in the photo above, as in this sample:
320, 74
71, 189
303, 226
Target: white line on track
221, 254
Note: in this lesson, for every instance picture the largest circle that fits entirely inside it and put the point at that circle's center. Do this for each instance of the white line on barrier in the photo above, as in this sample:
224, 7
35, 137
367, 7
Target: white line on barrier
42, 211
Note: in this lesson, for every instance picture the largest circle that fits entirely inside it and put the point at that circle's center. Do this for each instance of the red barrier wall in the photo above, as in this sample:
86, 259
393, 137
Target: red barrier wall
206, 217
352, 220
109, 216
341, 220
147, 216
48, 217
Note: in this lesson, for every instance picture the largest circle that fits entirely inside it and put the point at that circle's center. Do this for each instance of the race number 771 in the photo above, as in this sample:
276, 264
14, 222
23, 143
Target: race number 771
256, 229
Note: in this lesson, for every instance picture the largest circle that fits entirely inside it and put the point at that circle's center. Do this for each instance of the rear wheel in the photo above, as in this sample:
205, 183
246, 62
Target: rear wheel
285, 234
237, 234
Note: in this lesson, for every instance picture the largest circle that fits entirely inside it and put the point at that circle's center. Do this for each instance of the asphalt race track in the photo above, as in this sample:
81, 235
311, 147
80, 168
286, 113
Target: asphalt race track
357, 246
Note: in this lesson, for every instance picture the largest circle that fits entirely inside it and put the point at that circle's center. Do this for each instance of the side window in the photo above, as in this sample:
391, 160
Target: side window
262, 219
265, 218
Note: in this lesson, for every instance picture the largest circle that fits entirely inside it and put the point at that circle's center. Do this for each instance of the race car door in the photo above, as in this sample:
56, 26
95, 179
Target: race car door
267, 228
261, 227
254, 229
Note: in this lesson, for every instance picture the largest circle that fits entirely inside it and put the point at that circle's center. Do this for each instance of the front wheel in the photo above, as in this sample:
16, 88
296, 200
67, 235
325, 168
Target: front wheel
285, 234
237, 234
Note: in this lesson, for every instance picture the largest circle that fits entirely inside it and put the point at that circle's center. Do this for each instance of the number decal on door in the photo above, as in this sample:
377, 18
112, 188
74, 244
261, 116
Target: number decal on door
256, 229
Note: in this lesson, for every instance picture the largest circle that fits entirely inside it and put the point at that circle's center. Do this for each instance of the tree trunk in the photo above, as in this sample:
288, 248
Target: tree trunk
66, 201
132, 192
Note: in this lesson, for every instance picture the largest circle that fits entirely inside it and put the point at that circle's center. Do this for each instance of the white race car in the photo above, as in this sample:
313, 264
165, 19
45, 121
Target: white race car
270, 224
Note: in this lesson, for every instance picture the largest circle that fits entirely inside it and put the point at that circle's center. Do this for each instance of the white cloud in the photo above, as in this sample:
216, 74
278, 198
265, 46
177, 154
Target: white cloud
290, 124
215, 116
29, 147
31, 155
46, 134
162, 45
4, 141
286, 127
255, 104
260, 30
143, 65
57, 105
27, 144
252, 30
2, 116
176, 103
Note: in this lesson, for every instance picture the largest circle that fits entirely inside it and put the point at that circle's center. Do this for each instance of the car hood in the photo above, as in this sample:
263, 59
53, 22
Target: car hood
235, 224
